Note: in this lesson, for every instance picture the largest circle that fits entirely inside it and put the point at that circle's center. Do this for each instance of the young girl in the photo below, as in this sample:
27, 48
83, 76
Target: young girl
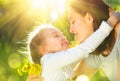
49, 46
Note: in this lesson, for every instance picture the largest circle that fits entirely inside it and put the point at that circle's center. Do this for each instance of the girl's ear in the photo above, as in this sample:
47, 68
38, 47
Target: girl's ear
43, 50
88, 18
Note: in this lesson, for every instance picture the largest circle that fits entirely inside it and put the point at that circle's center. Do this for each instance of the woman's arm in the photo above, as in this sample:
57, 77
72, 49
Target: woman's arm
84, 69
117, 30
118, 70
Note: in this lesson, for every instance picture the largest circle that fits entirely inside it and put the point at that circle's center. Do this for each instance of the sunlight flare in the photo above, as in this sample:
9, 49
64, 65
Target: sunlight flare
39, 4
53, 8
54, 15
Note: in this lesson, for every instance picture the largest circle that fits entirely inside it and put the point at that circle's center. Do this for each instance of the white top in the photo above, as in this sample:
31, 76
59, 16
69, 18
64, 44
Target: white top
59, 66
108, 64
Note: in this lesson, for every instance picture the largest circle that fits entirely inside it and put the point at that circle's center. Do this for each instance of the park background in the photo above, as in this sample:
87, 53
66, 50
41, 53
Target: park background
17, 19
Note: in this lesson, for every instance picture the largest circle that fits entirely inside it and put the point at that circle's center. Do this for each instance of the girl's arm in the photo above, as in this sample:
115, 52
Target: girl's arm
63, 58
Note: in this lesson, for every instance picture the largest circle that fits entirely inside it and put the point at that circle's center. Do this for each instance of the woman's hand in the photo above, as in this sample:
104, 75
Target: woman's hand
34, 78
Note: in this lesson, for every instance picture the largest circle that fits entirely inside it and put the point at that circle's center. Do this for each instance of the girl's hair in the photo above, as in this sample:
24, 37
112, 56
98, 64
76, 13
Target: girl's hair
100, 12
35, 39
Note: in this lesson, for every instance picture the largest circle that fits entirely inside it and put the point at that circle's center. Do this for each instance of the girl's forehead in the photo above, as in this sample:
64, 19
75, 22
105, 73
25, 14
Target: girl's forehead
52, 31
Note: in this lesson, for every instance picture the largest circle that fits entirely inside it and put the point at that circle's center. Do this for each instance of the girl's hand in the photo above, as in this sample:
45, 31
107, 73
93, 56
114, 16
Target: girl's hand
34, 78
114, 18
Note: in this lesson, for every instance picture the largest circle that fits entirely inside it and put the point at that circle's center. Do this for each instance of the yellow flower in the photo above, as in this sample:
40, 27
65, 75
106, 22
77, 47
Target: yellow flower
26, 67
30, 69
20, 72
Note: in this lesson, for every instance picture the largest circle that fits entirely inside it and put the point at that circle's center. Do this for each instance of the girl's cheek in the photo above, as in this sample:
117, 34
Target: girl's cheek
77, 22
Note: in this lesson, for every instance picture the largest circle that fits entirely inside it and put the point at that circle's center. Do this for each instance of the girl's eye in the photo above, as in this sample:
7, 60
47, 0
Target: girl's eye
72, 22
56, 36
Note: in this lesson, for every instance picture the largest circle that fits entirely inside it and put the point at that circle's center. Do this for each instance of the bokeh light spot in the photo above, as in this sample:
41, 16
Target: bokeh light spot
14, 61
82, 78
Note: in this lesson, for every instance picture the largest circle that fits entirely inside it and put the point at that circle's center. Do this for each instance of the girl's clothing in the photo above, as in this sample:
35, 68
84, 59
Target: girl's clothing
108, 64
59, 66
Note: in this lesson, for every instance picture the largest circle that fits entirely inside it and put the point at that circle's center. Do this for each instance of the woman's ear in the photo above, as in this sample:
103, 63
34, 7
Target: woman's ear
88, 18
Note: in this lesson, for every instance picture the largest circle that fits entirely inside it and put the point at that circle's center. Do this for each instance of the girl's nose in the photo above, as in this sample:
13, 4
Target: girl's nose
71, 29
63, 37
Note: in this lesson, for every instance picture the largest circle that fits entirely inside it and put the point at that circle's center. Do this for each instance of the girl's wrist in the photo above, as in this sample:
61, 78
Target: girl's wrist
111, 22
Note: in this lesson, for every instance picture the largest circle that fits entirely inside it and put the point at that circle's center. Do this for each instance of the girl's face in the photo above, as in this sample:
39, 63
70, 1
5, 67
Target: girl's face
55, 40
81, 26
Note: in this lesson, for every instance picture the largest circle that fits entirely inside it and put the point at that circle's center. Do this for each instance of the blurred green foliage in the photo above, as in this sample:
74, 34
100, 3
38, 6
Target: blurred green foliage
16, 20
99, 76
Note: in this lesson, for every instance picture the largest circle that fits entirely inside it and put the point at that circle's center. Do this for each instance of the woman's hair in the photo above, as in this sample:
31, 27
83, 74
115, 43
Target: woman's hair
35, 40
100, 12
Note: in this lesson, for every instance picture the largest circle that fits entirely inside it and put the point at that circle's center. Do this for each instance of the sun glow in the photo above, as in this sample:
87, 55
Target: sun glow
53, 8
54, 15
35, 4
42, 4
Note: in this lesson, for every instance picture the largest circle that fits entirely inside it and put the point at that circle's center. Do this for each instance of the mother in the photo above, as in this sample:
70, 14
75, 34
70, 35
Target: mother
85, 17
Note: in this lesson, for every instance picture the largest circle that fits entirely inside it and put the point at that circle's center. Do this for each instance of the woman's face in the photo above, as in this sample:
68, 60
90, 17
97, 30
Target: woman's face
81, 26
